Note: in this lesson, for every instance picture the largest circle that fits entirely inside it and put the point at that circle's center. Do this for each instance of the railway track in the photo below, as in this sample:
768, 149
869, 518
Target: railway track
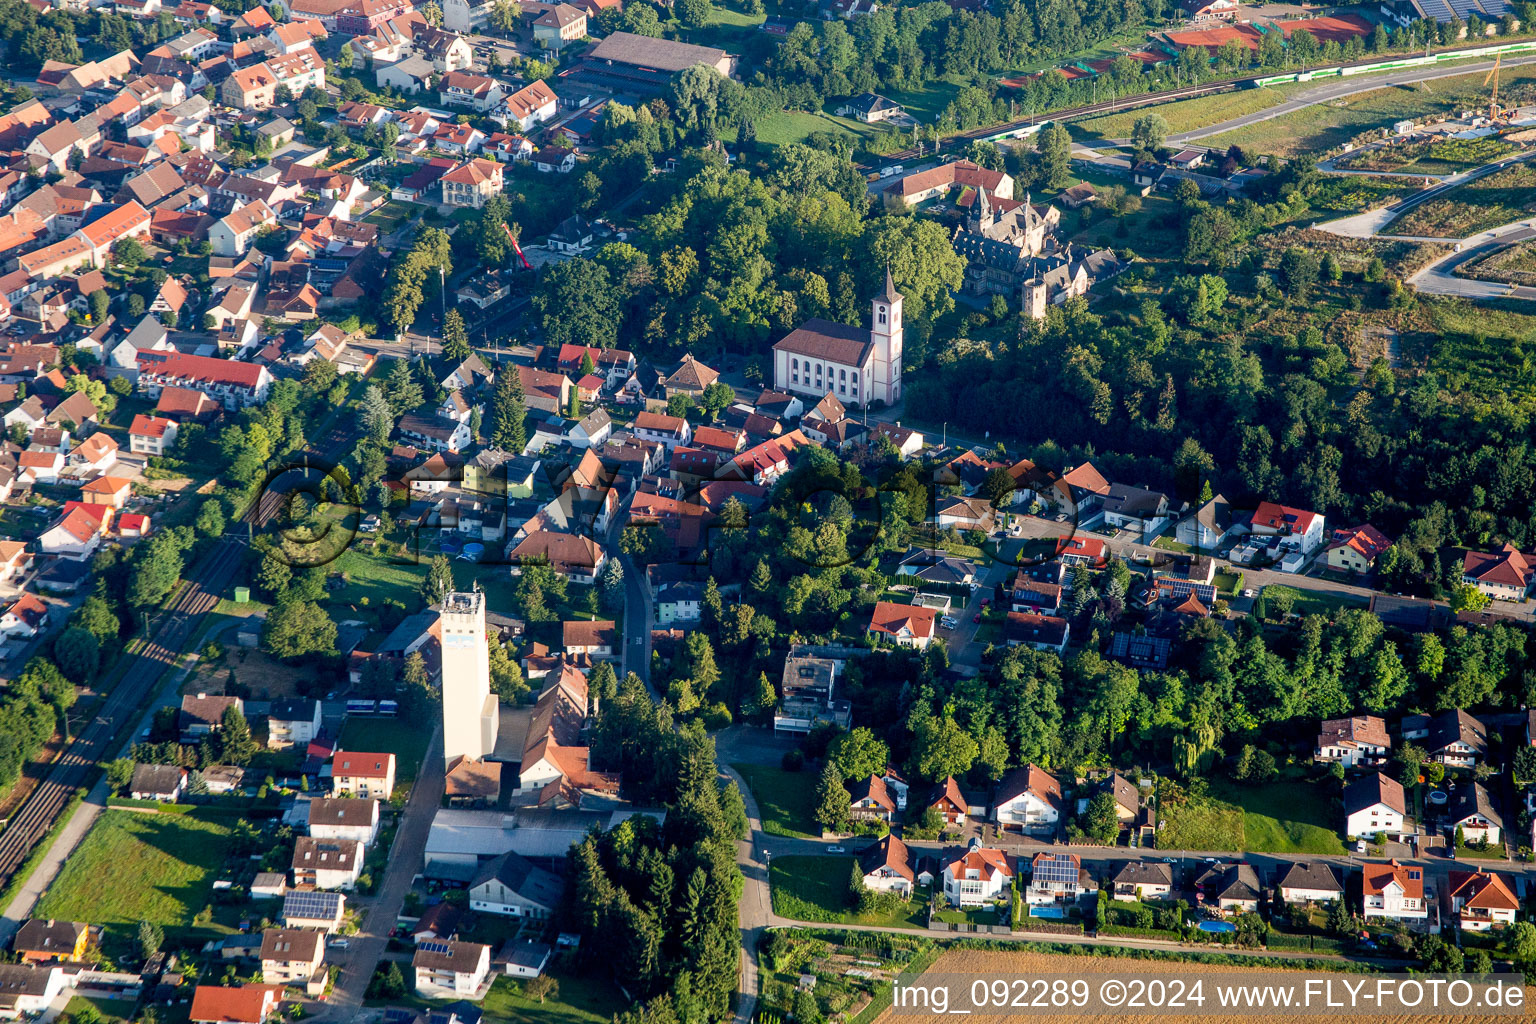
178, 622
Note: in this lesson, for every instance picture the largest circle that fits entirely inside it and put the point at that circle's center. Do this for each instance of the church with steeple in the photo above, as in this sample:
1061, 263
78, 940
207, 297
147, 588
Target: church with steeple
859, 365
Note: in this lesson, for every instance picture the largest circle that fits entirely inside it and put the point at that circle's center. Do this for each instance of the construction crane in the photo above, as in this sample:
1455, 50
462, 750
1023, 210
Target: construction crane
515, 247
1494, 110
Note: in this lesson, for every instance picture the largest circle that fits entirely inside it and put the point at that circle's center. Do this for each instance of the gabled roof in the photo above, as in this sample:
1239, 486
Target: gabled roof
1505, 567
1482, 890
362, 766
872, 789
1359, 730
1408, 877
1314, 875
1474, 799
1029, 779
1453, 725
889, 852
891, 618
1372, 789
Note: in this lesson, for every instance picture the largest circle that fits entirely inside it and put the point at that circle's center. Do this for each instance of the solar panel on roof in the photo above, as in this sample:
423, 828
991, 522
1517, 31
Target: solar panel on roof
310, 904
435, 947
1495, 8
1055, 869
1437, 9
1464, 8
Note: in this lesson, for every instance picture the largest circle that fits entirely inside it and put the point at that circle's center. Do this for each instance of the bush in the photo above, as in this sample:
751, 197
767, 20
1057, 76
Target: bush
1138, 933
792, 761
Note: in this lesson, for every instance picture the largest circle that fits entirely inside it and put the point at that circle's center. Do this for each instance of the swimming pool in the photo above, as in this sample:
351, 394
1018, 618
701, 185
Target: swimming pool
1217, 926
1054, 913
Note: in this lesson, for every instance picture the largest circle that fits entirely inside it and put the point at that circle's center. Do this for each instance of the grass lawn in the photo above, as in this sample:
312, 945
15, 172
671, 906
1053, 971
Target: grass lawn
1494, 852
587, 999
784, 799
1323, 602
406, 740
816, 889
785, 126
134, 867
1228, 582
1169, 544
1500, 198
1285, 816
110, 1009
1201, 827
1328, 125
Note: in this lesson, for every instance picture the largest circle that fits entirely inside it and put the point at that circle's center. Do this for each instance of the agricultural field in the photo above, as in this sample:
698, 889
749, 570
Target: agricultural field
1027, 964
1500, 198
134, 867
1326, 126
1515, 264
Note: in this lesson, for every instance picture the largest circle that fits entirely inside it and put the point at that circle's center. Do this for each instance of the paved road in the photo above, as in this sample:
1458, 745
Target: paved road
1371, 223
380, 911
1439, 277
1338, 89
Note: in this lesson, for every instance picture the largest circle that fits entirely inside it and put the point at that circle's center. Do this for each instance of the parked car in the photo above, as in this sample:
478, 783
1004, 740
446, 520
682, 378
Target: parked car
836, 849
976, 618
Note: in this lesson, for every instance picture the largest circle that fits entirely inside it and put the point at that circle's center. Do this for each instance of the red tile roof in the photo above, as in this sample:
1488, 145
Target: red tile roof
889, 618
362, 766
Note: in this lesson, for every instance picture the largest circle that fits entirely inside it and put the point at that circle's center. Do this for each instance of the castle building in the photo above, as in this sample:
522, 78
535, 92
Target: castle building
858, 365
471, 713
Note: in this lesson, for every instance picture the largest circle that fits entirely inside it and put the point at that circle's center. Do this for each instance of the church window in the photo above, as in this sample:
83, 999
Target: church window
843, 374
882, 313
855, 380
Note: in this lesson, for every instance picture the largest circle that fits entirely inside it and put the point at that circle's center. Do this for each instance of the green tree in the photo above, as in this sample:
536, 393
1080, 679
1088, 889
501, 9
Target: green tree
438, 583
1053, 153
921, 260
1468, 598
455, 338
405, 391
156, 570
578, 304
151, 938
1149, 132
295, 629
235, 742
1102, 820
508, 412
101, 304
858, 754
941, 748
128, 253
77, 652
832, 800
119, 774
210, 518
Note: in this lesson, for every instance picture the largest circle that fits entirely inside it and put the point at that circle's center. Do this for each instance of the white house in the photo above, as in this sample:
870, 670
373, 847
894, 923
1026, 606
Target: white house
327, 863
1482, 900
1055, 878
1374, 803
976, 874
1395, 891
1028, 800
349, 818
1298, 529
292, 723
1143, 880
514, 886
1472, 812
1313, 882
888, 866
452, 970
1361, 739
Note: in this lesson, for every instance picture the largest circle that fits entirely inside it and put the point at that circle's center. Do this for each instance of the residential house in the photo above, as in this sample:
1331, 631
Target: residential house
1355, 741
1297, 528
1028, 800
327, 863
112, 491
905, 625
461, 89
1311, 882
888, 866
1394, 891
569, 554
1482, 900
1042, 632
292, 956
530, 106
351, 818
671, 431
162, 782
597, 639
870, 801
233, 384
963, 514
513, 886
558, 25
292, 722
948, 802
151, 435
1472, 813
1141, 880
233, 235
445, 970
369, 776
1131, 808
40, 941
76, 535
807, 694
1055, 878
322, 911
203, 714
1452, 737
1137, 509
243, 1004
24, 617
1374, 804
1504, 575
976, 874
1356, 548
471, 183
1229, 888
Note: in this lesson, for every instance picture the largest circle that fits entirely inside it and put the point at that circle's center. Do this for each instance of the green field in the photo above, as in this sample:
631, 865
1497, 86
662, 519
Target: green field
783, 127
1500, 198
109, 1010
406, 740
1201, 827
785, 800
816, 889
1329, 125
588, 999
1185, 115
1286, 816
134, 867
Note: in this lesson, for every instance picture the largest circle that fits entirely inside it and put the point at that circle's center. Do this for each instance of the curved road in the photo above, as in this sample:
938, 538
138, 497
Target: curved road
1439, 277
1336, 89
1370, 223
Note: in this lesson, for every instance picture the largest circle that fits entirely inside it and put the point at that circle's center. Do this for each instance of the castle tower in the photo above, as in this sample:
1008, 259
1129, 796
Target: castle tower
886, 333
470, 711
